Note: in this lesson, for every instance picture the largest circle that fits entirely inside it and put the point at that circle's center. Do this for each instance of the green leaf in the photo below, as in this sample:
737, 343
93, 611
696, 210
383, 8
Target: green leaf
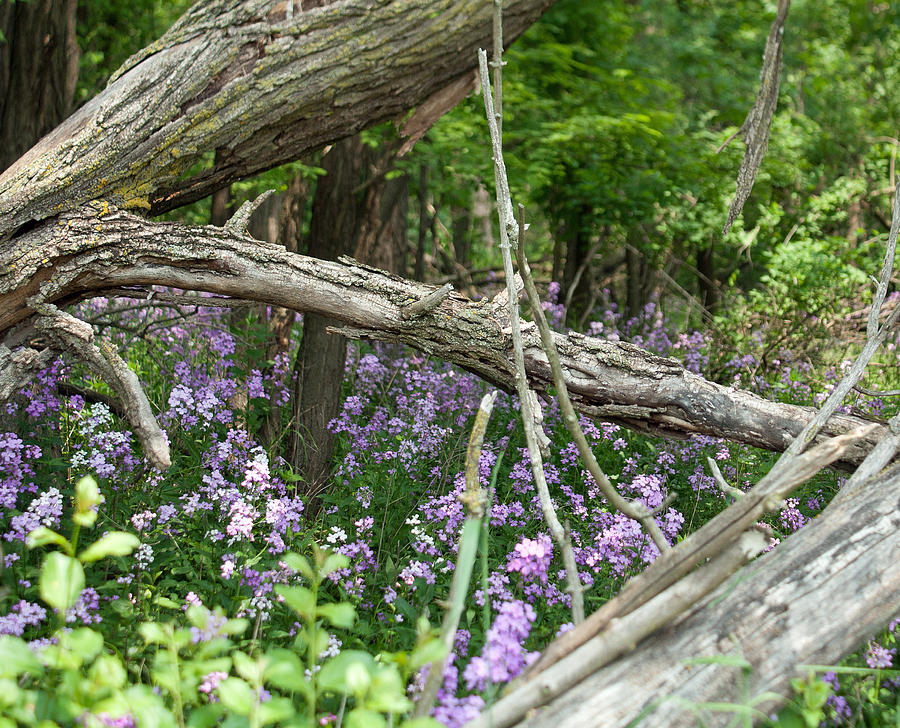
16, 658
166, 602
62, 580
9, 696
236, 695
87, 498
206, 716
300, 599
285, 671
388, 693
334, 562
248, 668
430, 651
84, 642
107, 671
340, 615
41, 536
275, 710
362, 718
150, 707
117, 543
299, 564
349, 673
153, 633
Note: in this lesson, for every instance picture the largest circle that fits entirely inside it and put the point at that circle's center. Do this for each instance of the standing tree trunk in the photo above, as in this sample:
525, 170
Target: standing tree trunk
351, 213
319, 368
706, 278
38, 71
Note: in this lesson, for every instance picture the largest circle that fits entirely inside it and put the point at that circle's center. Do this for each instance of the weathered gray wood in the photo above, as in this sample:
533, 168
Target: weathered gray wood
812, 600
79, 254
239, 77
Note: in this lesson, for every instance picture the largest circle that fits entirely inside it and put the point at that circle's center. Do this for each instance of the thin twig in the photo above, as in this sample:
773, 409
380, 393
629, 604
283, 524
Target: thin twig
426, 304
474, 498
509, 235
636, 510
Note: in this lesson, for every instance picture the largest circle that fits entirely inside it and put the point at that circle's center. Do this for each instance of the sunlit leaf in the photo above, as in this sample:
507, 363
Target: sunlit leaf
116, 543
62, 580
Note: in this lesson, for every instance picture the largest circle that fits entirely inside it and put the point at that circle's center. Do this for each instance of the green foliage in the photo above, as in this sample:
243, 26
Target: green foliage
76, 680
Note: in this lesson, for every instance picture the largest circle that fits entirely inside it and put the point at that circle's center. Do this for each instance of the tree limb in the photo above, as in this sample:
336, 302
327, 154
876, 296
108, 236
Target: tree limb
85, 252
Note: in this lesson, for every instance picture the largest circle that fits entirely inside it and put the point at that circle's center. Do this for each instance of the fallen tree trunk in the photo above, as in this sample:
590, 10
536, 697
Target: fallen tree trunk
95, 249
261, 89
776, 614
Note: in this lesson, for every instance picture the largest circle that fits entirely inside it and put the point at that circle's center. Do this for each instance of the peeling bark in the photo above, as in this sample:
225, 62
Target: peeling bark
82, 253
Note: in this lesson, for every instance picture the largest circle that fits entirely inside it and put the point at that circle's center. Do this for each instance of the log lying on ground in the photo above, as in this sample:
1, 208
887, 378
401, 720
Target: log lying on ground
97, 248
776, 613
258, 87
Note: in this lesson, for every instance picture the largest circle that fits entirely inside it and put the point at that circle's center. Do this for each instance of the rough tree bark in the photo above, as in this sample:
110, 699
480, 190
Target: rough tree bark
319, 368
777, 613
241, 78
38, 70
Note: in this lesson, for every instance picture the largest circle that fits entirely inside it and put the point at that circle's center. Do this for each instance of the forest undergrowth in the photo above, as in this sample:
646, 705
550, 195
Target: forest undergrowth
215, 593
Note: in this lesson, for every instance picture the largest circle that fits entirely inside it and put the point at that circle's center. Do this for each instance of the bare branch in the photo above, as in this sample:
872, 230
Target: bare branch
758, 122
76, 338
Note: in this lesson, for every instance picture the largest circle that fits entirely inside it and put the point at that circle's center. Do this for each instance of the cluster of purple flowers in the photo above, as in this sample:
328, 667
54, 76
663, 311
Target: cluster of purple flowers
228, 510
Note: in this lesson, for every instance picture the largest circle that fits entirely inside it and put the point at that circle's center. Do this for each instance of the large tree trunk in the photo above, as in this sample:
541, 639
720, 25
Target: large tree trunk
38, 70
241, 77
91, 250
814, 599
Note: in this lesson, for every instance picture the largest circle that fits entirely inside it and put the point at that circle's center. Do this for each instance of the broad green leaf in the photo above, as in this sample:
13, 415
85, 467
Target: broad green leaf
206, 716
362, 718
83, 641
107, 671
299, 564
62, 580
340, 615
235, 626
388, 693
150, 707
16, 657
117, 543
166, 602
349, 673
236, 695
285, 671
87, 497
275, 710
300, 599
334, 562
431, 651
248, 668
42, 536
153, 633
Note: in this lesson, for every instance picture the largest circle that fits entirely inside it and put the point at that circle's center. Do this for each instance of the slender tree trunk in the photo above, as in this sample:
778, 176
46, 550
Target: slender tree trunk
319, 367
424, 223
706, 280
577, 247
38, 71
461, 227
